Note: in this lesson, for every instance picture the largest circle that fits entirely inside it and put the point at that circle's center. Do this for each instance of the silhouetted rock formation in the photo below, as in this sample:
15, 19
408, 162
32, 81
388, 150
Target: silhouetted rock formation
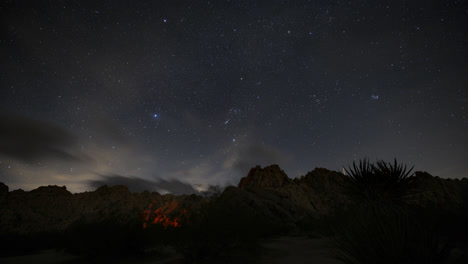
271, 176
449, 194
53, 208
268, 192
317, 192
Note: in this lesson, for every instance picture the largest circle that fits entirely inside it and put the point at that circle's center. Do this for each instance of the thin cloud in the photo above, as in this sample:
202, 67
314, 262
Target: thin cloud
31, 140
136, 184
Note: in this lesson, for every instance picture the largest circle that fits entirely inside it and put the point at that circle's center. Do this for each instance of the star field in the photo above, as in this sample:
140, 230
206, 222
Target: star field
200, 91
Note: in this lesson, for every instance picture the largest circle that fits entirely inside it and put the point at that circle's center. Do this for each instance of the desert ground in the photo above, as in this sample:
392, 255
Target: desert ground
285, 249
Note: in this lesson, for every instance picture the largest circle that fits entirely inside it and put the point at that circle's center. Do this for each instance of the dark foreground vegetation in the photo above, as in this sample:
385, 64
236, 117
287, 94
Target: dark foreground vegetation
380, 224
214, 233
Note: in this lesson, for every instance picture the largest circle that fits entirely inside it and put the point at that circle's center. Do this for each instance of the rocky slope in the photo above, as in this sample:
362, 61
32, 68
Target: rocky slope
266, 192
293, 199
53, 208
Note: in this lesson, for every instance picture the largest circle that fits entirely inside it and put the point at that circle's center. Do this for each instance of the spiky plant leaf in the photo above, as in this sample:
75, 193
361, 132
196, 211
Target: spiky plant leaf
380, 184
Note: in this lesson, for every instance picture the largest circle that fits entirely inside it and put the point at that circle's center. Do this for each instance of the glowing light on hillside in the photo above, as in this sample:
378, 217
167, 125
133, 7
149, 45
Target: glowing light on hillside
168, 215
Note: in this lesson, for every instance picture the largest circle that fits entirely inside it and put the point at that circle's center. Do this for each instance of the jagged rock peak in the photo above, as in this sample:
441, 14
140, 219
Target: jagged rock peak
270, 176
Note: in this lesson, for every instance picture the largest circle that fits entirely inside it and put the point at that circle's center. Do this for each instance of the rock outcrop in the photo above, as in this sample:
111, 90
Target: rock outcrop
316, 193
436, 192
53, 208
267, 192
268, 177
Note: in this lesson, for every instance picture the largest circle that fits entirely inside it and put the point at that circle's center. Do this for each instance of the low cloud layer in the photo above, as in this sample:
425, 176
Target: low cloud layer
135, 184
36, 152
31, 140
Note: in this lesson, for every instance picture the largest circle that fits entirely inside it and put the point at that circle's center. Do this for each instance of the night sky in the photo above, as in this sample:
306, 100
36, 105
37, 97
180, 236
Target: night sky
198, 92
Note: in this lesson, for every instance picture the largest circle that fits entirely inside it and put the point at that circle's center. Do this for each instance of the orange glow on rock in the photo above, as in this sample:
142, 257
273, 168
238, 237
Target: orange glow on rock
168, 215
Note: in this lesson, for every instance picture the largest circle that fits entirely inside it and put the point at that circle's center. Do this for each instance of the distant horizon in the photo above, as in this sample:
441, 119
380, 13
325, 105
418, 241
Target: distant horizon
201, 187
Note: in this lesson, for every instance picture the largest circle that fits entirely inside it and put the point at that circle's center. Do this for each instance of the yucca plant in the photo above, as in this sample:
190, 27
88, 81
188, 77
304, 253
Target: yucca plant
380, 185
379, 228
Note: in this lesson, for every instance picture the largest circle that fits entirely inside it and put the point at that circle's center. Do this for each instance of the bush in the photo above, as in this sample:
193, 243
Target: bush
379, 185
380, 227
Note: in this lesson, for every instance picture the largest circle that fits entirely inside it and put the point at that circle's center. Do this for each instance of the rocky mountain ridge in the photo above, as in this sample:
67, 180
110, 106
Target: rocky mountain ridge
268, 192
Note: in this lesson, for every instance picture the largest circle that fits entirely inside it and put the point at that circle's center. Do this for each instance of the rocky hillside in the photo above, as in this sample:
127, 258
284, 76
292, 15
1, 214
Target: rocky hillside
53, 208
315, 193
266, 192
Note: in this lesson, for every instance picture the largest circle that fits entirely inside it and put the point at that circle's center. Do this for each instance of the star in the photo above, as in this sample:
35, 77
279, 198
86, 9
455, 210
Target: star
281, 83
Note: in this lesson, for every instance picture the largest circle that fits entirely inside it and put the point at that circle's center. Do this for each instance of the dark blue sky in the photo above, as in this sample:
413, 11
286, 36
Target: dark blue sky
200, 91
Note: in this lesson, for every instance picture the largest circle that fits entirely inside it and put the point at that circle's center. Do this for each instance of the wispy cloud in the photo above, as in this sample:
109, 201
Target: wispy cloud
136, 184
31, 140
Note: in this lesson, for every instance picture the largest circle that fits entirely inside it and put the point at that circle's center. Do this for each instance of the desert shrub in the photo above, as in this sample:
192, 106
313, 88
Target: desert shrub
380, 227
381, 186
